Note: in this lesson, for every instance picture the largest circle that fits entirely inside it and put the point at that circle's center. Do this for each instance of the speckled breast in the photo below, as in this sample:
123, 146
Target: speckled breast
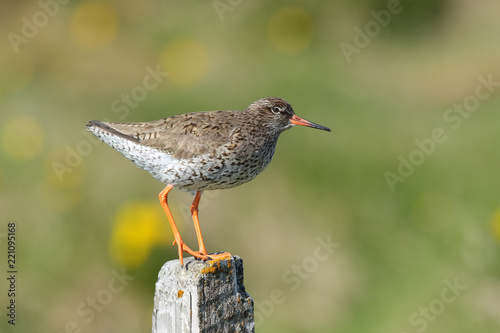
223, 170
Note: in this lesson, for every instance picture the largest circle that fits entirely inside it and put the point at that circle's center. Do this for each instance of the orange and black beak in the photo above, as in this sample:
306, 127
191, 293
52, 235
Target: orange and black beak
296, 120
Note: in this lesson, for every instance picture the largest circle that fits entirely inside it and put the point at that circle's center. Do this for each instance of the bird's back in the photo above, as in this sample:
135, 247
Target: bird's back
196, 151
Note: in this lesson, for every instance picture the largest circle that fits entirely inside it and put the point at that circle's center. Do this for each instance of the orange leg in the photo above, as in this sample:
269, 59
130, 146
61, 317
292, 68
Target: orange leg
178, 239
201, 244
194, 215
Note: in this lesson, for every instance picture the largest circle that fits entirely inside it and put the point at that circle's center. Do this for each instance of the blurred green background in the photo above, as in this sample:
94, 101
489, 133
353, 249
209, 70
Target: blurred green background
415, 253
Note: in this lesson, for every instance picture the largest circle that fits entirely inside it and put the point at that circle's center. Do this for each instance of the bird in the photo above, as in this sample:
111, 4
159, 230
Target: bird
201, 151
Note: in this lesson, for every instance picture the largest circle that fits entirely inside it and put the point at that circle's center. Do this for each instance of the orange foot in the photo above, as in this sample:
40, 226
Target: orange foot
214, 256
182, 247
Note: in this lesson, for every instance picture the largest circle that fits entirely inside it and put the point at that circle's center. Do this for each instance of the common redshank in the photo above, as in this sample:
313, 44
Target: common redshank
200, 151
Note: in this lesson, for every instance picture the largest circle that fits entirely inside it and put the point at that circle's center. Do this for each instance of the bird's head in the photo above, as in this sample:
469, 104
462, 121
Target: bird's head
278, 114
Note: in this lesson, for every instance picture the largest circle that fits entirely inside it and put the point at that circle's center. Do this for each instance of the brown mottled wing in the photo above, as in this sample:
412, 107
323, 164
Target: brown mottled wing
185, 135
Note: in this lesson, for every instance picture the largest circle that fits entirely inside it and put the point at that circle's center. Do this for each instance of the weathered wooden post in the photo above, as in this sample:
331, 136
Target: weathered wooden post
202, 297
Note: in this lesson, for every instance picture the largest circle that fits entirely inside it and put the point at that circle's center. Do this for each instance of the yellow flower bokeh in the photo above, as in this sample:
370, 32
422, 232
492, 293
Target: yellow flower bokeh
22, 138
186, 60
138, 227
290, 30
93, 24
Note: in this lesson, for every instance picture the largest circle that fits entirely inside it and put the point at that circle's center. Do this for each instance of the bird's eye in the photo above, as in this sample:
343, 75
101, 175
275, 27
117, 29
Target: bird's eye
275, 109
